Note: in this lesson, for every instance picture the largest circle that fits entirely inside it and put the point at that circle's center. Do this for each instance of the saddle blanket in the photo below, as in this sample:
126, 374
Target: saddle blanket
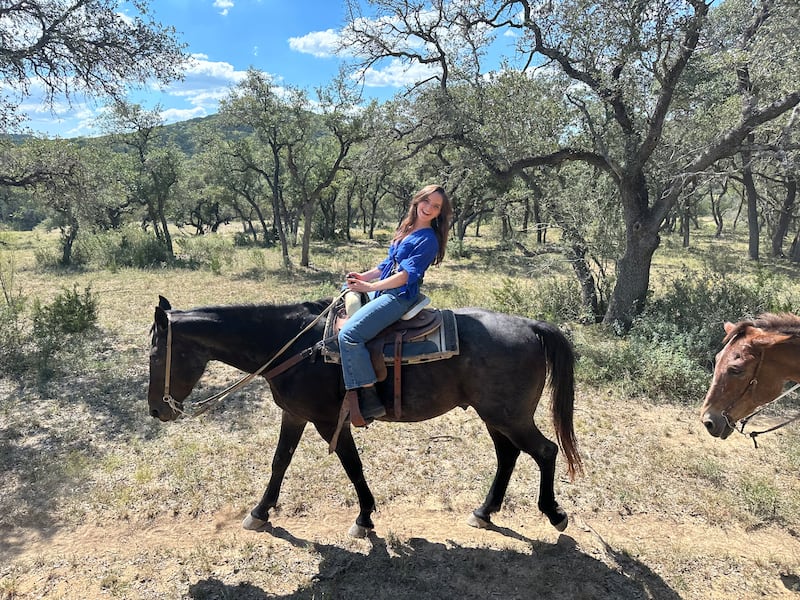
439, 344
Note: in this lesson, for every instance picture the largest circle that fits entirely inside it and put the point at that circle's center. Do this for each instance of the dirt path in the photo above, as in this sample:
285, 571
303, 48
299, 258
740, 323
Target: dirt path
414, 553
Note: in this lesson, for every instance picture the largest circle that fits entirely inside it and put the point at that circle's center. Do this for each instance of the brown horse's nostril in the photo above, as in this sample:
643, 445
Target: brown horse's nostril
714, 424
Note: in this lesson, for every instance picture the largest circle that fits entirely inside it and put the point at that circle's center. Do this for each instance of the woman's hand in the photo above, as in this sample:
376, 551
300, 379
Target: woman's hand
357, 283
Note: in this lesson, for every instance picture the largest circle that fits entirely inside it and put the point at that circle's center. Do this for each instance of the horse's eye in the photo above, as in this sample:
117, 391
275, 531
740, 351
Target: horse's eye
734, 371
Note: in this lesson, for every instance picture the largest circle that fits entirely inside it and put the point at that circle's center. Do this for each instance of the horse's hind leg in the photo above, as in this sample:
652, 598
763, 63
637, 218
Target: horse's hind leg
291, 432
507, 454
530, 440
348, 455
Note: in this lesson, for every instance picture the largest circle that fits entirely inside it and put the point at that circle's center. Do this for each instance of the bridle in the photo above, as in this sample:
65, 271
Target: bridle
203, 405
751, 386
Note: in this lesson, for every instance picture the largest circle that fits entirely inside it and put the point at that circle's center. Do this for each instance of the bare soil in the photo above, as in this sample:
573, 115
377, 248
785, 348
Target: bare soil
418, 550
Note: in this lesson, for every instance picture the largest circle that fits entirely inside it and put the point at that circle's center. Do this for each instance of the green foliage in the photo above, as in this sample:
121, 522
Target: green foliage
670, 349
32, 344
512, 298
555, 299
689, 316
127, 247
559, 300
11, 309
56, 324
70, 312
209, 251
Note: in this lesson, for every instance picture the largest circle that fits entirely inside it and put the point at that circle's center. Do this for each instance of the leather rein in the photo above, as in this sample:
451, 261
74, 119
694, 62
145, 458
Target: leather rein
743, 422
203, 405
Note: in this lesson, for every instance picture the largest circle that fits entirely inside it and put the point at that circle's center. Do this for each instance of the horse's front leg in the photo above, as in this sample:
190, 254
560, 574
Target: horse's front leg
291, 431
348, 455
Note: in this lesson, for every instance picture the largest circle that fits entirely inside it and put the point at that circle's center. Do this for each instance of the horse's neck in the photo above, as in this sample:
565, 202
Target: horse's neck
245, 339
785, 360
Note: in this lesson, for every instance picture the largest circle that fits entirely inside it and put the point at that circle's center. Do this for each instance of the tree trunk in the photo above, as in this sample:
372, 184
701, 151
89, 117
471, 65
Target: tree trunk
277, 203
785, 217
633, 271
752, 200
68, 235
308, 223
162, 217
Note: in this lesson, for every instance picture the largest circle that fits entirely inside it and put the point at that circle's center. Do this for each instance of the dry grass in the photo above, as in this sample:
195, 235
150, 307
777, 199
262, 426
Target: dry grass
97, 500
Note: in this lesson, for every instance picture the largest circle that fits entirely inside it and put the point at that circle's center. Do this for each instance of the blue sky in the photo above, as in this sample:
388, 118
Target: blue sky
289, 39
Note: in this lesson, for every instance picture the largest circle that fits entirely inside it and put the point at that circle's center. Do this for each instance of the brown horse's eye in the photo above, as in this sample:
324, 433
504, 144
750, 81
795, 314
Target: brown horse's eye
735, 371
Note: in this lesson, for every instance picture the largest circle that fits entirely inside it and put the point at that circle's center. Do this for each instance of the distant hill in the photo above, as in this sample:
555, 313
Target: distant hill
187, 135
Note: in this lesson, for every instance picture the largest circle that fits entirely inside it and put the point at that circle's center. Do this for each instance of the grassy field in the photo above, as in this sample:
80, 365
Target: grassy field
98, 500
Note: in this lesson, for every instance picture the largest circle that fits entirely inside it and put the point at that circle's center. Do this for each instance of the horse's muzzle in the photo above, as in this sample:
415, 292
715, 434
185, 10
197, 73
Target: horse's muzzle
717, 425
167, 414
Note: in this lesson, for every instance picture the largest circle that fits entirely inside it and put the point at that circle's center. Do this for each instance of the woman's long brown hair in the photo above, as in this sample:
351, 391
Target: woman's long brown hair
440, 225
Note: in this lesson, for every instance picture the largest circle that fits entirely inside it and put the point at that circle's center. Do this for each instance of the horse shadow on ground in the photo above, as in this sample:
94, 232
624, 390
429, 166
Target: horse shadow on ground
418, 569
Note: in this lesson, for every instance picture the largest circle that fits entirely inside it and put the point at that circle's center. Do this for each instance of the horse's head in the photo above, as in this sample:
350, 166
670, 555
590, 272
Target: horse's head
745, 377
174, 366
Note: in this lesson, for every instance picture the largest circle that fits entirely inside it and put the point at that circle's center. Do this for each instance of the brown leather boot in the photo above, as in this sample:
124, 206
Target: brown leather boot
369, 403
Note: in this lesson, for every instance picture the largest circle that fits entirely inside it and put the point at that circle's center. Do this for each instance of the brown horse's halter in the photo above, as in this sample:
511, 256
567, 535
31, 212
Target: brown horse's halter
204, 405
744, 421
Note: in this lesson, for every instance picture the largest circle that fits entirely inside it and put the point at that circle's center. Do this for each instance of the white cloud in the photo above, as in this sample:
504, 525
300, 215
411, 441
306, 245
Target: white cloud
174, 115
398, 74
321, 44
224, 5
200, 66
205, 83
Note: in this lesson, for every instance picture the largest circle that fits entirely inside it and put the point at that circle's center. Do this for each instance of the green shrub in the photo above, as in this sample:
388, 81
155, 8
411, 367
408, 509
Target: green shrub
56, 324
32, 344
669, 352
513, 298
12, 337
127, 247
689, 315
210, 251
12, 307
557, 299
70, 312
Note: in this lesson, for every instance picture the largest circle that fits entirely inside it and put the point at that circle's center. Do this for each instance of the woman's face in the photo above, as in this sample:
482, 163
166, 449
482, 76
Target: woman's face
429, 208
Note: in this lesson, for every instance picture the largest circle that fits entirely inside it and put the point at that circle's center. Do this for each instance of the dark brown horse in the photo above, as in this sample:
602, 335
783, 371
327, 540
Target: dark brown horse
758, 358
500, 372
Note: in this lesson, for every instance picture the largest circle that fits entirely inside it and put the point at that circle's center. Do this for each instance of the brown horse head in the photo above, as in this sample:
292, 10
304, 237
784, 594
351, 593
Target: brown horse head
750, 370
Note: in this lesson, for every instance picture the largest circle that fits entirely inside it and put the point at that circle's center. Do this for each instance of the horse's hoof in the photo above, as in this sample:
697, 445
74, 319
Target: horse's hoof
562, 524
359, 531
475, 521
252, 524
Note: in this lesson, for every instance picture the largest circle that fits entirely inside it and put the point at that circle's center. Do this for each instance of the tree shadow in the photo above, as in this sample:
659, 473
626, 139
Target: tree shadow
418, 569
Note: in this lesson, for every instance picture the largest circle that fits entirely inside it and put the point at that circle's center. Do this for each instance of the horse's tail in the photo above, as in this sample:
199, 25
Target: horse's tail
561, 364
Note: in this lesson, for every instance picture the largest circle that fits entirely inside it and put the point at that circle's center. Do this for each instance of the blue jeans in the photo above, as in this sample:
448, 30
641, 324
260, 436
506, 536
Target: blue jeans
368, 321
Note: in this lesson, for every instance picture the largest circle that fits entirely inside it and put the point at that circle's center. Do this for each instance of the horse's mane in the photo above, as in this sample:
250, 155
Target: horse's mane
312, 306
784, 323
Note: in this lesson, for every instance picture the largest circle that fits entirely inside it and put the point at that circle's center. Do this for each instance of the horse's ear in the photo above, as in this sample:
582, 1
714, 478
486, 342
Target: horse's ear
729, 327
161, 318
163, 303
